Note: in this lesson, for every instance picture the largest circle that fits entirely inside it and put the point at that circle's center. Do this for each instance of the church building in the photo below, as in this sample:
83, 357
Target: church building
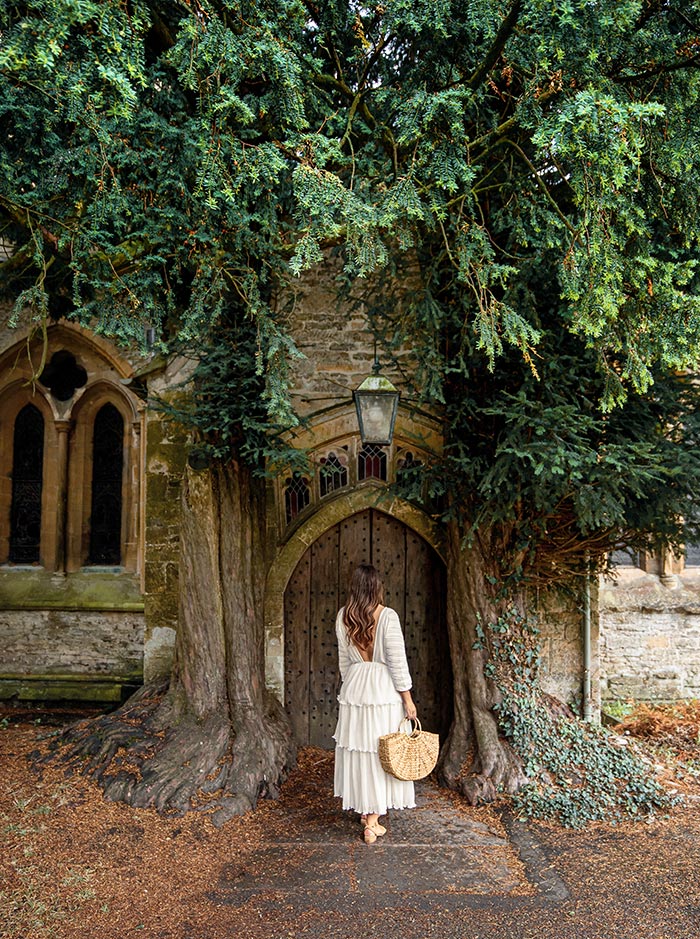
89, 538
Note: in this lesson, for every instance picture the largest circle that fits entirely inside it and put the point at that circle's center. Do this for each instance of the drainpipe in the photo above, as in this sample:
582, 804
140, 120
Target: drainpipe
587, 709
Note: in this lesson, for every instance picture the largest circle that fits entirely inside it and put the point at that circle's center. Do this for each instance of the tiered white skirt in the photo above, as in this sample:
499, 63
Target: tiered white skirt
368, 706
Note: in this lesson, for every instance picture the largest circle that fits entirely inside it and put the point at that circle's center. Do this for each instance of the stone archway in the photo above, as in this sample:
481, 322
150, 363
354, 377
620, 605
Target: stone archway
414, 576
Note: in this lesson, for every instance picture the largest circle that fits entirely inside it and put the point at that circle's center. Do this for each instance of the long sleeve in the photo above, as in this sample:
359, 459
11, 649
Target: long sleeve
395, 653
343, 654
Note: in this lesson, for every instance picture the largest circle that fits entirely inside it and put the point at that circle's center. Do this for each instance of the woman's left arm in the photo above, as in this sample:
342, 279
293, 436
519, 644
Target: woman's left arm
343, 654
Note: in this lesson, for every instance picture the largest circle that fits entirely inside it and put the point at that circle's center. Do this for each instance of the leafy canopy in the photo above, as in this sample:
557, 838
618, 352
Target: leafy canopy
523, 174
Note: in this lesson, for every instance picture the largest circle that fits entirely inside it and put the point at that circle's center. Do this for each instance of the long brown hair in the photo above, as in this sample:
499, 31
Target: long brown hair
366, 593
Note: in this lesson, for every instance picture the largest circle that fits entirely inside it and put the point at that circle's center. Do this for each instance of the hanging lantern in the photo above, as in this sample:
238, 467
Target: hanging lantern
377, 402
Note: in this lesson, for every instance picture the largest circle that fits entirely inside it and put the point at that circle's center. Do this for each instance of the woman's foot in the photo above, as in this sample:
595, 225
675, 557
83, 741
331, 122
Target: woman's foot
375, 826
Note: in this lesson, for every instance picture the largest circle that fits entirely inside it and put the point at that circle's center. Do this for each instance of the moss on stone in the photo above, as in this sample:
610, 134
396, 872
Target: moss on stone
27, 589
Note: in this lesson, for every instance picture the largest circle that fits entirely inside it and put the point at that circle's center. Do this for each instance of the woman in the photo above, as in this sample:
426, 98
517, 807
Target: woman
374, 697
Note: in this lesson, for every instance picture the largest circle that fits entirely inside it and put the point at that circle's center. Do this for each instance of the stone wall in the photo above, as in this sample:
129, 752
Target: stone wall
336, 343
650, 636
560, 615
70, 654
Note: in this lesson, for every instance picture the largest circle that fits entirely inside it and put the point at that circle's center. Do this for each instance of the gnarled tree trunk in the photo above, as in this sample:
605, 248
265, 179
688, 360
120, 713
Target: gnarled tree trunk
476, 760
216, 738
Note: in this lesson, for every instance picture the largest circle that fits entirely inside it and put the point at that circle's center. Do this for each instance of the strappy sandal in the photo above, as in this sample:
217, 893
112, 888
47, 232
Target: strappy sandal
377, 829
370, 835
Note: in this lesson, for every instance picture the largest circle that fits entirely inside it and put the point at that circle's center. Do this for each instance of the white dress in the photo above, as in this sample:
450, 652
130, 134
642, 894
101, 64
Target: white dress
369, 706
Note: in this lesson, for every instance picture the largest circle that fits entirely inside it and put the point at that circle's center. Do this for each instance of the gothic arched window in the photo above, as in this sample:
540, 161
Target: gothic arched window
371, 463
27, 479
107, 477
333, 473
296, 495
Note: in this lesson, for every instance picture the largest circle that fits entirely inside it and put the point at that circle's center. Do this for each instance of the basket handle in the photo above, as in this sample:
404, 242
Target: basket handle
414, 730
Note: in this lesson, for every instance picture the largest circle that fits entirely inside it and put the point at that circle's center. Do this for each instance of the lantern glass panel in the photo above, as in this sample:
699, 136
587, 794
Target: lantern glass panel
376, 414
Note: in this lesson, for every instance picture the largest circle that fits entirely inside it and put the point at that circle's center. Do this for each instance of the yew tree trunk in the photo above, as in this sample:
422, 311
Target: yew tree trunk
476, 759
215, 738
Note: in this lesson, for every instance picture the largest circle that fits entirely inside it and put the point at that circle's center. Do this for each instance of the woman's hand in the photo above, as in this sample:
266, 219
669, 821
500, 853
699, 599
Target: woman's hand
408, 705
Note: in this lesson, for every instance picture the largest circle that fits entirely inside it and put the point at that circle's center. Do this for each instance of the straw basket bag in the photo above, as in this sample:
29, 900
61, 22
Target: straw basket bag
409, 756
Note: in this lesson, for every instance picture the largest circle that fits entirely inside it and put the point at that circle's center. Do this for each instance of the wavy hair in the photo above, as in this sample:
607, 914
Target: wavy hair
366, 593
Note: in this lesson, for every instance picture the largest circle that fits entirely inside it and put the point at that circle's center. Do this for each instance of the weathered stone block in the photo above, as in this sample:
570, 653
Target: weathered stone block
650, 646
45, 642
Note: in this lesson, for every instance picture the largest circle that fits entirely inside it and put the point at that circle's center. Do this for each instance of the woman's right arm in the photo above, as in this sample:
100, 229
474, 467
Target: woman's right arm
395, 655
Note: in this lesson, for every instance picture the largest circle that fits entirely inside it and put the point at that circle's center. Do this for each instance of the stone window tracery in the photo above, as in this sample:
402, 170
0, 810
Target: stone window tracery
341, 464
372, 463
70, 460
297, 495
63, 376
333, 474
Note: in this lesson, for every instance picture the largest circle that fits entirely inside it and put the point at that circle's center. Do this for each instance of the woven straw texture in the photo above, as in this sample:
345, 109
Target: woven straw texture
409, 756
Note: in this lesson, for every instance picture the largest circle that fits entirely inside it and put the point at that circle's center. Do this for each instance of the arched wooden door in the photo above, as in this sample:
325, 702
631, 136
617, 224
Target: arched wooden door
414, 576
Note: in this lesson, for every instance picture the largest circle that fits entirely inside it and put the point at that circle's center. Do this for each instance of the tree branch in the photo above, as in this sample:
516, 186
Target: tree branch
664, 69
540, 182
497, 46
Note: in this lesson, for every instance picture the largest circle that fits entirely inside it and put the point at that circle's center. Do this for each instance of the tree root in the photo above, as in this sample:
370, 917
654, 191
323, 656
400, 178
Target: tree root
192, 765
480, 779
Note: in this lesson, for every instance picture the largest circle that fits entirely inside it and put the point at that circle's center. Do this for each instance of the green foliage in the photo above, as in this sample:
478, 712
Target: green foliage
513, 189
226, 405
577, 772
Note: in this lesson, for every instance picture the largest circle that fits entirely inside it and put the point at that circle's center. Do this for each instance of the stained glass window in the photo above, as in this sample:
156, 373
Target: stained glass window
333, 473
27, 477
371, 463
107, 476
296, 495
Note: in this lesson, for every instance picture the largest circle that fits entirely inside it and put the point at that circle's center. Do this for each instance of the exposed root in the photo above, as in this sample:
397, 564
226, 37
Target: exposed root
485, 778
190, 766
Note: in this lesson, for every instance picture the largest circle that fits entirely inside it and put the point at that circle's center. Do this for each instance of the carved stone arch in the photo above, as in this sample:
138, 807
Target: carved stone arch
13, 397
17, 393
414, 427
83, 414
329, 513
103, 390
71, 336
68, 426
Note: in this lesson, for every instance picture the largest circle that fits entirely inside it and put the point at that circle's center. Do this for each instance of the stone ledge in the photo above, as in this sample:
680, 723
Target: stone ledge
68, 687
37, 589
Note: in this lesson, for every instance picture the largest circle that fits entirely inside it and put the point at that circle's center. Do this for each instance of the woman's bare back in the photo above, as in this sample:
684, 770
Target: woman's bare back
367, 654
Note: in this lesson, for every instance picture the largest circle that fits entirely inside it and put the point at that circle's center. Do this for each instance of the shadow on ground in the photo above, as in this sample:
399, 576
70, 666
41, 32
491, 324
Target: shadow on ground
442, 851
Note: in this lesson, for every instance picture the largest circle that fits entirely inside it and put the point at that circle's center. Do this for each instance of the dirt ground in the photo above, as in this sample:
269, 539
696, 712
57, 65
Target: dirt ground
76, 867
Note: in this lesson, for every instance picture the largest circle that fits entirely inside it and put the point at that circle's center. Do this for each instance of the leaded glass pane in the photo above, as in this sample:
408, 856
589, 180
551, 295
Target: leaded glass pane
333, 473
27, 478
296, 495
371, 463
107, 477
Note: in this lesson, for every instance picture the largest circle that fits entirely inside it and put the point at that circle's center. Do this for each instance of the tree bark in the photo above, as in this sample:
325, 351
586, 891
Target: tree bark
216, 738
476, 759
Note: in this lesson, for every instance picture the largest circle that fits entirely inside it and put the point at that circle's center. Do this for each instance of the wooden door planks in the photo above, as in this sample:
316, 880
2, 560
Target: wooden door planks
414, 580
